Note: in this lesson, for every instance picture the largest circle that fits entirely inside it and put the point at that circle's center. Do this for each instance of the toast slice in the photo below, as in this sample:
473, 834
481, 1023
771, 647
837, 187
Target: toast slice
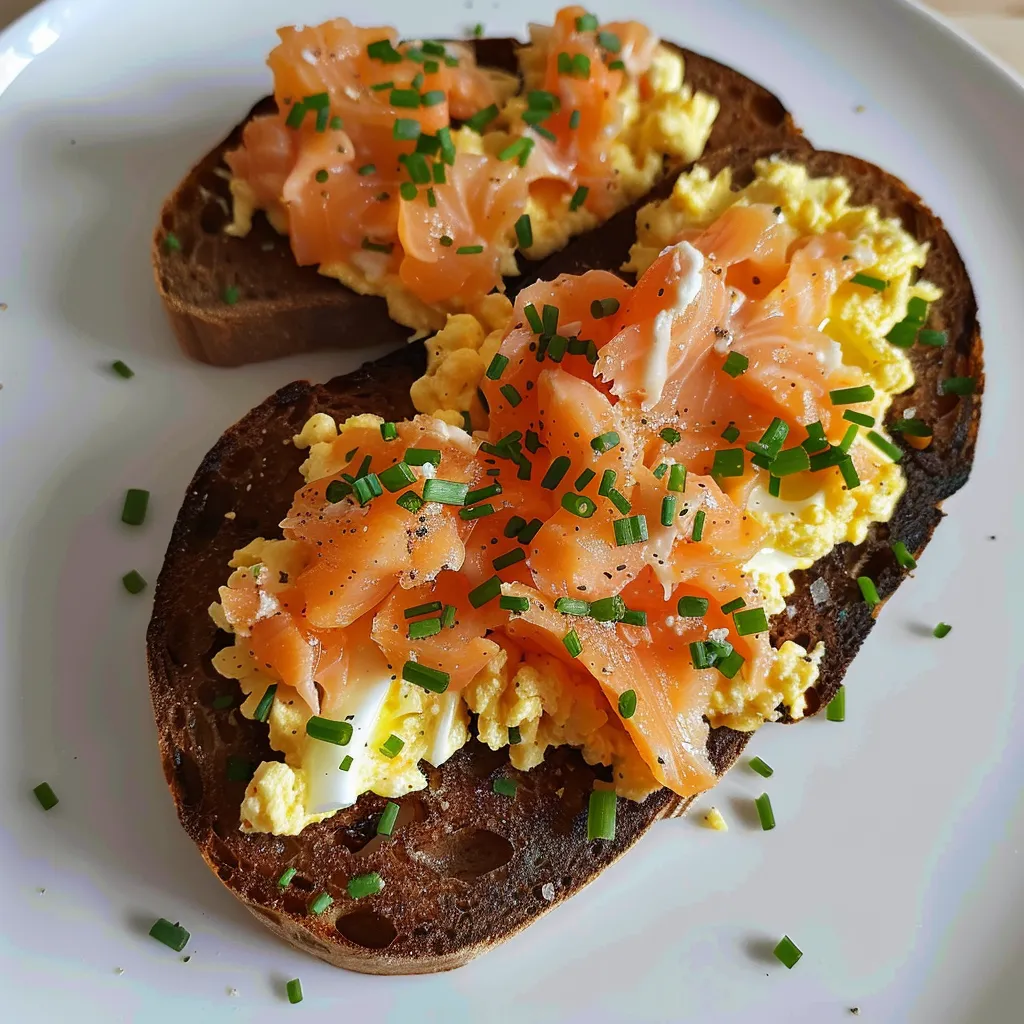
465, 869
284, 308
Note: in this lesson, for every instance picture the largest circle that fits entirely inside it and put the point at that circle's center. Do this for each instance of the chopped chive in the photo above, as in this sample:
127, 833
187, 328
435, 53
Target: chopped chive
601, 814
572, 606
604, 442
558, 468
789, 461
730, 664
416, 165
750, 621
384, 247
816, 440
346, 763
549, 318
579, 505
937, 339
917, 309
903, 556
481, 119
852, 396
420, 456
448, 616
762, 768
668, 510
631, 530
321, 176
586, 23
524, 231
423, 628
633, 617
620, 501
884, 446
941, 630
410, 501
171, 242
700, 655
487, 591
395, 477
286, 876
329, 731
482, 493
607, 482
505, 787
514, 735
122, 369
509, 558
133, 582
47, 798
572, 643
262, 712
670, 435
511, 603
848, 438
774, 486
727, 462
432, 98
836, 709
519, 150
584, 479
533, 317
601, 308
337, 490
511, 395
392, 746
446, 492
957, 386
469, 250
580, 65
225, 700
733, 606
294, 990
556, 348
787, 953
172, 935
903, 334
608, 609
861, 419
528, 532
366, 488
677, 478
574, 120
698, 525
867, 281
476, 512
478, 30
735, 364
434, 48
408, 191
382, 86
692, 607
731, 433
609, 41
136, 502
579, 197
911, 427
365, 885
849, 473
296, 115
764, 811
627, 704
513, 526
406, 129
383, 51
367, 169
617, 65
868, 591
431, 679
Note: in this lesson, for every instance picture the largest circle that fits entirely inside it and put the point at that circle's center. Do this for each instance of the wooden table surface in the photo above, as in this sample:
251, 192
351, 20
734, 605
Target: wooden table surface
997, 24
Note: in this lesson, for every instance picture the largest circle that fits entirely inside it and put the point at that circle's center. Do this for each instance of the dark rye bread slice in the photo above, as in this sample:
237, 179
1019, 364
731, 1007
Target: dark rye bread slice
283, 308
467, 868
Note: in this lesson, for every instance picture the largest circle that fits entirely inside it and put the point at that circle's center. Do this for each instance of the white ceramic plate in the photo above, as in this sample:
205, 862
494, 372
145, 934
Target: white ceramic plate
895, 863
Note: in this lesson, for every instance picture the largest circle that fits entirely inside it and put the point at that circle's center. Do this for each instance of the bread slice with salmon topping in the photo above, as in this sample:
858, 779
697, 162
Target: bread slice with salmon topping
233, 300
465, 868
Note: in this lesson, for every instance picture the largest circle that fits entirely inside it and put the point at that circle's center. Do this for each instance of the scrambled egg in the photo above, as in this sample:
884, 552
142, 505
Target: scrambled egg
669, 120
713, 819
802, 527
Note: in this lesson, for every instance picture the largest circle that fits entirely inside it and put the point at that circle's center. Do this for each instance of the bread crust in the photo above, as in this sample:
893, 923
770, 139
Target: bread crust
281, 308
467, 869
